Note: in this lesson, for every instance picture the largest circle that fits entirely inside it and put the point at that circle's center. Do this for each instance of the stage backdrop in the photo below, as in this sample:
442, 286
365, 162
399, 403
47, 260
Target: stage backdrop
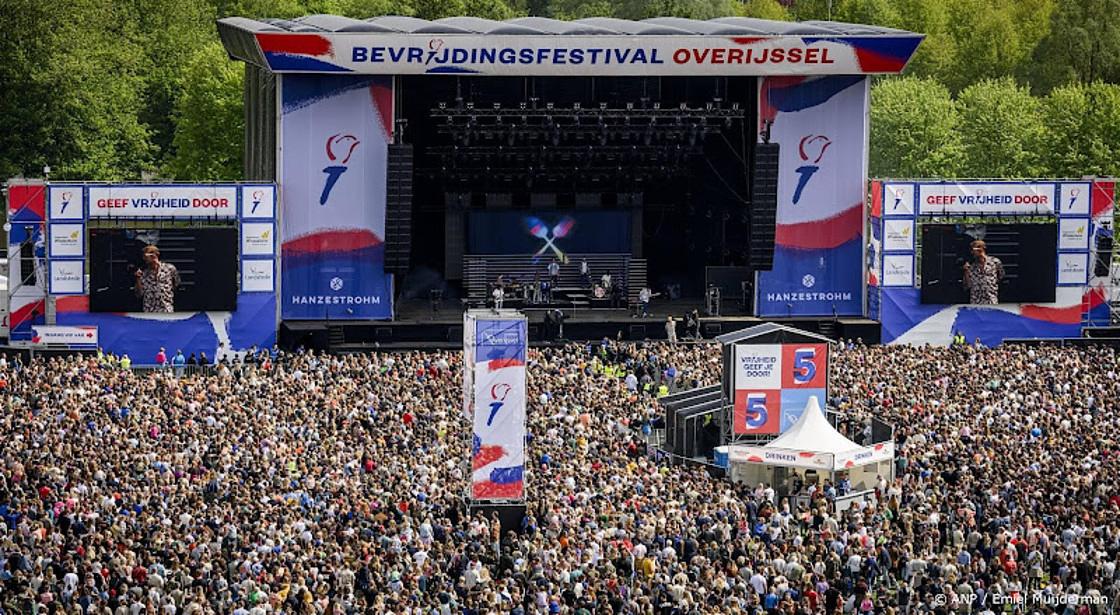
821, 125
334, 138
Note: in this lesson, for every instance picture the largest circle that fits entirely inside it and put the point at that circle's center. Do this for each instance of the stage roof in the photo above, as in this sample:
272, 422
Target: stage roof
598, 46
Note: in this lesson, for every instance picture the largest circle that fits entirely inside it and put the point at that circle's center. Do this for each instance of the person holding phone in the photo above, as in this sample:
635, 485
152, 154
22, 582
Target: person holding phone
156, 282
982, 275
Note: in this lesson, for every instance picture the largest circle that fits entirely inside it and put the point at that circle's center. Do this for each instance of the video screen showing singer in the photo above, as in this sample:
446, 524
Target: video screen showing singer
156, 282
982, 275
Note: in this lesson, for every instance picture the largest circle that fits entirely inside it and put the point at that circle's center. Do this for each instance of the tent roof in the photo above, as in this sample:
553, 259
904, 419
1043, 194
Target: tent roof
771, 329
812, 433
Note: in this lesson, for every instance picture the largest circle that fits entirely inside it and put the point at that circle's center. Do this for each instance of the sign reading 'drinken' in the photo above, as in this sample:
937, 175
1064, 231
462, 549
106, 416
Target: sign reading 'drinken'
148, 201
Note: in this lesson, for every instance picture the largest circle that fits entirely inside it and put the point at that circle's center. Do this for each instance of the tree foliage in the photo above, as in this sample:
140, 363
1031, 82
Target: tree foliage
765, 9
209, 118
915, 129
1003, 130
1082, 45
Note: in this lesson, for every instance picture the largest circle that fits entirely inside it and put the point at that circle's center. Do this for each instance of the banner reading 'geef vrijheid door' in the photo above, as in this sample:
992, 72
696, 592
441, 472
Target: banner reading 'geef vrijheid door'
335, 133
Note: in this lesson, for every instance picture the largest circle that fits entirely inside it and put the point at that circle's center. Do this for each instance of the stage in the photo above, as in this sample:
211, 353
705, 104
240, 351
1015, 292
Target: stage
418, 326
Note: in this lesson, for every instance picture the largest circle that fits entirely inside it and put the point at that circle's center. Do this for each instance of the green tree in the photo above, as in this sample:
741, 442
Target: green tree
765, 9
936, 56
75, 96
1083, 130
1083, 45
1003, 130
806, 10
915, 129
170, 34
209, 118
284, 9
26, 141
580, 9
875, 12
988, 40
361, 9
693, 9
438, 9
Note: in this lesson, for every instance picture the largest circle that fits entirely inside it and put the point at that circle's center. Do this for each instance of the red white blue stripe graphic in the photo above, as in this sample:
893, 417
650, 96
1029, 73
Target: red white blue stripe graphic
498, 444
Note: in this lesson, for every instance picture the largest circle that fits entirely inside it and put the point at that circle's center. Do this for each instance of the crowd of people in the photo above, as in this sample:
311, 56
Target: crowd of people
308, 483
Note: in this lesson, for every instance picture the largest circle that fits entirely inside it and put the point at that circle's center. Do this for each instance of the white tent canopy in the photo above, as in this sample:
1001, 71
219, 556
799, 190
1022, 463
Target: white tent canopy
812, 443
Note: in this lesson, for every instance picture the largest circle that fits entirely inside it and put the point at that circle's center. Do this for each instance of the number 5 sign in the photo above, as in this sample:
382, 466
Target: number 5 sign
804, 366
757, 412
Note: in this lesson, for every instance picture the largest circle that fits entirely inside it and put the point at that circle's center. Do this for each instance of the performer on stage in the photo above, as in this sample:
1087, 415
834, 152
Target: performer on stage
157, 282
554, 272
982, 275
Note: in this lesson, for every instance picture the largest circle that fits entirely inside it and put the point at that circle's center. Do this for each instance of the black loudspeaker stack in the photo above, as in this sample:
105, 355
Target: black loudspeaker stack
398, 209
764, 205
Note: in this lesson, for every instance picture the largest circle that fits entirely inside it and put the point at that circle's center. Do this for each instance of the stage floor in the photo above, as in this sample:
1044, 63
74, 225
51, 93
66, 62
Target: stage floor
418, 326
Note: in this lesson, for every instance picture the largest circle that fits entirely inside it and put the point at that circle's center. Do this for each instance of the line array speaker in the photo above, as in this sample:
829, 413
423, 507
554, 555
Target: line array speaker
764, 205
398, 209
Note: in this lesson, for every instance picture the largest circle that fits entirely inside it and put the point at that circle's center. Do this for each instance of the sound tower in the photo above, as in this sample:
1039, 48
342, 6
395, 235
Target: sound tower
764, 206
398, 209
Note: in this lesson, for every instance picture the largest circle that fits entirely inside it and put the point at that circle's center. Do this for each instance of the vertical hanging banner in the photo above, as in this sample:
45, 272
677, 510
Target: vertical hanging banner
497, 347
335, 133
821, 126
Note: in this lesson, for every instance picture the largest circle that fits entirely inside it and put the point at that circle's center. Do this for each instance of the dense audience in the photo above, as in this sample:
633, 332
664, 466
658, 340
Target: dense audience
304, 483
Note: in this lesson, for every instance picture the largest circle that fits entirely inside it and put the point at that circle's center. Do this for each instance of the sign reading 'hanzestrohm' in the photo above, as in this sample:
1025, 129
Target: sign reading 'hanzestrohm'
143, 201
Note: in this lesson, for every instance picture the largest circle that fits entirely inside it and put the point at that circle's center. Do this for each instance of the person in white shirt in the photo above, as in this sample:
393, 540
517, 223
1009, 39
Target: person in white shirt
644, 297
499, 297
554, 272
671, 330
